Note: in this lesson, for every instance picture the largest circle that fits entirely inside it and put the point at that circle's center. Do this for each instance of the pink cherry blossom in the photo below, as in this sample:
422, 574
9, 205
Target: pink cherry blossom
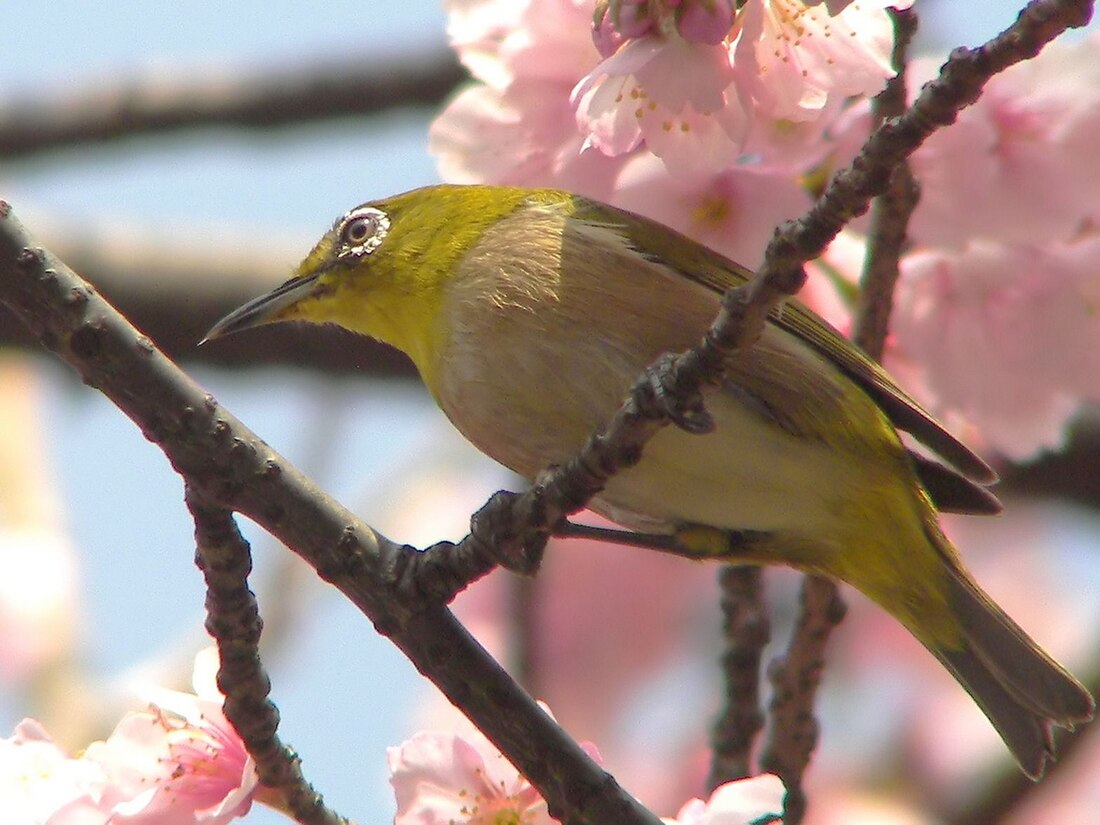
791, 147
671, 89
522, 136
704, 21
792, 59
668, 83
697, 21
501, 40
177, 764
733, 212
629, 18
519, 127
653, 88
477, 29
37, 777
462, 779
735, 803
1007, 336
1022, 159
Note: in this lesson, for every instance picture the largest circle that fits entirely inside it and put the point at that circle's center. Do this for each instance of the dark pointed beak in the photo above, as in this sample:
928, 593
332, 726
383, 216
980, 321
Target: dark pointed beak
263, 310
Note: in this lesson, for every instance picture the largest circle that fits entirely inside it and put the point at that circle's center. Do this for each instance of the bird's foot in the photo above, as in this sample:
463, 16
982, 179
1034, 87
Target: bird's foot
685, 410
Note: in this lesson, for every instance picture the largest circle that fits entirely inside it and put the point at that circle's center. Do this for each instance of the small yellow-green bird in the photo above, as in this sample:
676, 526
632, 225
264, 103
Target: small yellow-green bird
530, 312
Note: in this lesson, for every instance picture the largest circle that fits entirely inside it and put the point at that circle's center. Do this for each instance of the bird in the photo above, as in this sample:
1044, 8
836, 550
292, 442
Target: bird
529, 313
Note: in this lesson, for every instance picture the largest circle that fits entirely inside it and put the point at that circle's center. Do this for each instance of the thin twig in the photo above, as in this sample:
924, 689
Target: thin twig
233, 619
746, 633
890, 211
795, 677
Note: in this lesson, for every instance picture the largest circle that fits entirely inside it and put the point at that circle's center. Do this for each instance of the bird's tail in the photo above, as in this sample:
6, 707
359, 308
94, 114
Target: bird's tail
1017, 685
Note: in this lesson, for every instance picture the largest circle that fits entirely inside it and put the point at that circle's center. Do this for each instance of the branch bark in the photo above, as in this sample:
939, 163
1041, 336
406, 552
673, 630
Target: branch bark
231, 467
286, 96
233, 619
746, 634
173, 287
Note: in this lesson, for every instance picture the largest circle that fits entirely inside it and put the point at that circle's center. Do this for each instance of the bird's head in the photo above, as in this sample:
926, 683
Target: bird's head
383, 268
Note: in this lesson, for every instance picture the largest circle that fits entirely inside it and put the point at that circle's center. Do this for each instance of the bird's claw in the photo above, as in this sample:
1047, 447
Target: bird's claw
499, 525
686, 411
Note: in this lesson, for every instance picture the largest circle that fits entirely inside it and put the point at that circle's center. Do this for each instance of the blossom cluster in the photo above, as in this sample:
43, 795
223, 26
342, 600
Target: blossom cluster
182, 763
999, 304
719, 119
178, 763
460, 778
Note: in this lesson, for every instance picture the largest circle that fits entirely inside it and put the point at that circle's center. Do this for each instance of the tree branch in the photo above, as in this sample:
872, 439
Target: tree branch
747, 631
172, 286
231, 467
287, 96
890, 211
233, 619
795, 678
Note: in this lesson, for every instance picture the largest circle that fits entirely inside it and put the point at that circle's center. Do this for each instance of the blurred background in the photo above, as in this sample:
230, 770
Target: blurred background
240, 131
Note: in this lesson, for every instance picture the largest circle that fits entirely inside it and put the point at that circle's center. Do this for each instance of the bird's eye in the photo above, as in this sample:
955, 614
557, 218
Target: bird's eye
362, 230
359, 230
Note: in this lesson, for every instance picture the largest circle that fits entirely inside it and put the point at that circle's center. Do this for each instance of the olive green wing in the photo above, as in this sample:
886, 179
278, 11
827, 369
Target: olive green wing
903, 410
703, 265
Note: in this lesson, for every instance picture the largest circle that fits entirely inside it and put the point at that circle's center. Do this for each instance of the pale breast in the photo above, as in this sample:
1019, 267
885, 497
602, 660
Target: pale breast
539, 354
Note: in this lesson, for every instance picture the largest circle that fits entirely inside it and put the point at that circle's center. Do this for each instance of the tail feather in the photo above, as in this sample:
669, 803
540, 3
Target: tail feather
1018, 686
1036, 681
1026, 732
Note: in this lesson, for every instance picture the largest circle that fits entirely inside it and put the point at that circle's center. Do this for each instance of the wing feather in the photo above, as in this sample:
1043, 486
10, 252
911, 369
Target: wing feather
716, 272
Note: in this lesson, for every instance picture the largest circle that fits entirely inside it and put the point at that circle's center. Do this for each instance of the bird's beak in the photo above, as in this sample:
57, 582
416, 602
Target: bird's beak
266, 309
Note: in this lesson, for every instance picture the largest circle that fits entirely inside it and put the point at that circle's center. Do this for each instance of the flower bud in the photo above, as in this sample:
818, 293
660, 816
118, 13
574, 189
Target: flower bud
705, 21
616, 22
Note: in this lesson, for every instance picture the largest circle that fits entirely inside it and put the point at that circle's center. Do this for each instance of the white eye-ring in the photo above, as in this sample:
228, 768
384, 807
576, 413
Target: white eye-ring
361, 231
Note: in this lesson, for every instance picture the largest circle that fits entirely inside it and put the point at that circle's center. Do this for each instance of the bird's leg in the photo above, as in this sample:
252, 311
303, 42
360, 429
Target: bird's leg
693, 541
703, 542
665, 542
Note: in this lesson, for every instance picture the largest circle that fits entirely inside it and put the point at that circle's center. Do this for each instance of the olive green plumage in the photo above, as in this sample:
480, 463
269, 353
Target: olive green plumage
529, 313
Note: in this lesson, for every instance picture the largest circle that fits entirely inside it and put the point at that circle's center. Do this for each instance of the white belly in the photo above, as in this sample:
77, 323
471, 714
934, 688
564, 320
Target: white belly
747, 475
